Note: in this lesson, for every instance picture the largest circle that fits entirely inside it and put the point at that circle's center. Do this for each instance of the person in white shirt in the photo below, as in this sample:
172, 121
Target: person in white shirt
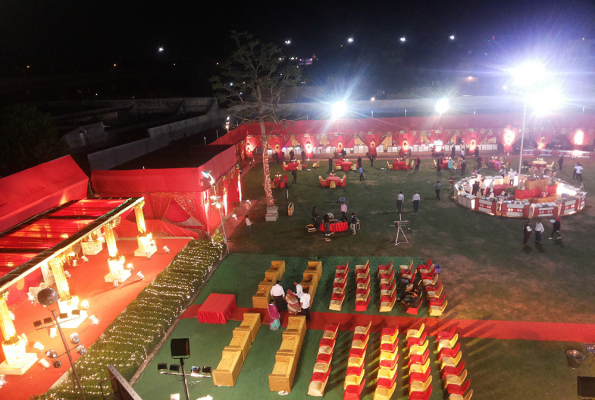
538, 229
305, 300
483, 187
299, 290
400, 199
416, 199
278, 294
344, 212
463, 153
527, 232
249, 225
579, 172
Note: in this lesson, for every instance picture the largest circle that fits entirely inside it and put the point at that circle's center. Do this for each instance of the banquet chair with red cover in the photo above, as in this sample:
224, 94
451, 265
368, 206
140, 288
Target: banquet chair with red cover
459, 397
416, 340
437, 301
389, 335
406, 267
453, 370
433, 292
419, 376
420, 368
425, 395
448, 343
419, 359
456, 380
448, 352
458, 389
424, 269
354, 392
385, 268
322, 181
436, 311
416, 332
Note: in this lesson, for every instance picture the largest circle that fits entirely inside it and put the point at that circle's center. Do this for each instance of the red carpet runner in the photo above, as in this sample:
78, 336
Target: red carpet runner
487, 329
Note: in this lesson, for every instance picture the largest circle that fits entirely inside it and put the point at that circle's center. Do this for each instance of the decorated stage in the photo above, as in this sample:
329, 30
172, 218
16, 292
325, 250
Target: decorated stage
106, 302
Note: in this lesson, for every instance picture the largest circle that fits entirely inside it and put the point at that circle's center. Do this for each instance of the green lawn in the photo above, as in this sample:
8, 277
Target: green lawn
486, 271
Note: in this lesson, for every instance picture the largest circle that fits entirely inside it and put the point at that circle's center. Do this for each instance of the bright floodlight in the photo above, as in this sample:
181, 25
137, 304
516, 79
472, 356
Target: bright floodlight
546, 100
339, 109
528, 74
452, 37
288, 42
442, 106
161, 49
402, 39
207, 174
350, 40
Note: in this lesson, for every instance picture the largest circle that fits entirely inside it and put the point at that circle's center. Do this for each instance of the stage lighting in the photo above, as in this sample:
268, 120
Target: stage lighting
194, 371
402, 39
63, 316
528, 74
51, 353
47, 320
85, 258
76, 312
140, 275
74, 338
67, 274
166, 249
94, 319
175, 368
338, 109
162, 367
44, 363
116, 283
38, 346
442, 106
85, 304
57, 364
81, 349
37, 324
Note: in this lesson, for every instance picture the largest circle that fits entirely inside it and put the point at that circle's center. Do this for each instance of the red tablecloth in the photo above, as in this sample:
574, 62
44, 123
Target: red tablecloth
333, 178
346, 166
445, 164
217, 308
498, 189
527, 194
291, 166
495, 164
399, 165
336, 226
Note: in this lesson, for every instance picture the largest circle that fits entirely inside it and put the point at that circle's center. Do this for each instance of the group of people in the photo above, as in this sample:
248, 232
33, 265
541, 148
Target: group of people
539, 229
297, 303
416, 200
578, 172
326, 219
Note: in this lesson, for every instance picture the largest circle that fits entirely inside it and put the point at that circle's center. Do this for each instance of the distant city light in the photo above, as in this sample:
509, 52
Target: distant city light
373, 99
288, 41
161, 49
350, 40
442, 106
115, 65
452, 37
230, 83
338, 109
402, 39
28, 66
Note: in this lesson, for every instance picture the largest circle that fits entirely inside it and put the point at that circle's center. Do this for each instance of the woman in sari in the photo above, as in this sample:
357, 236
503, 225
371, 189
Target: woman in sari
293, 303
274, 316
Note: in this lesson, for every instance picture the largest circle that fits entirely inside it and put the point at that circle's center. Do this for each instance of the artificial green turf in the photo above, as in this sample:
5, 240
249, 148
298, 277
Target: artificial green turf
486, 270
240, 274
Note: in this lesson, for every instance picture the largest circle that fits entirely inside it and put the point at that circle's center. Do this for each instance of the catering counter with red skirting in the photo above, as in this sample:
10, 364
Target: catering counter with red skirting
336, 227
486, 206
515, 209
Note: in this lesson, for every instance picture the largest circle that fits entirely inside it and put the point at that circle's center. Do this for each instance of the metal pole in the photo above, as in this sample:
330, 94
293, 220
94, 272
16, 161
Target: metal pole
522, 136
222, 225
76, 378
184, 375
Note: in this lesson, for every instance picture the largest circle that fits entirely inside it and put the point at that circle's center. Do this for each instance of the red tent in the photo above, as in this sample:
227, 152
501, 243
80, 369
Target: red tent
35, 190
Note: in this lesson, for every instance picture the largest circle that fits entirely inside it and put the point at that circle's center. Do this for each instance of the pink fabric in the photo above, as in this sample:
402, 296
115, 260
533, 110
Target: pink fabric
37, 189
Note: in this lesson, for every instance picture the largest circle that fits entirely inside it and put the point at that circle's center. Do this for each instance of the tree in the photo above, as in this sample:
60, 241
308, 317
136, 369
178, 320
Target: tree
255, 76
28, 137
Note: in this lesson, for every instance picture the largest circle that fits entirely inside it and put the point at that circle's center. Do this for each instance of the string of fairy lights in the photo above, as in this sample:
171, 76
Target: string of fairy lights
129, 339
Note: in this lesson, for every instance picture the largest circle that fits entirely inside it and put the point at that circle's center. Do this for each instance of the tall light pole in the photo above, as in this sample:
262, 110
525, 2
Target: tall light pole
207, 174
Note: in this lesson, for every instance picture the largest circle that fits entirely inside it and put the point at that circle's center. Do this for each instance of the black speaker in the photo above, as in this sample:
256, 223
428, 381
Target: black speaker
180, 348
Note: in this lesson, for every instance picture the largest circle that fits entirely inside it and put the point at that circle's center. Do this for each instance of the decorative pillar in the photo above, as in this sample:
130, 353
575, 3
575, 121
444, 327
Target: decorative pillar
115, 261
57, 267
17, 360
92, 245
146, 244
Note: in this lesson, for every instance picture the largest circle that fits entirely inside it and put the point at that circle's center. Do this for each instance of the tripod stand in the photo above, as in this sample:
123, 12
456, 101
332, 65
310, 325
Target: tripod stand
400, 230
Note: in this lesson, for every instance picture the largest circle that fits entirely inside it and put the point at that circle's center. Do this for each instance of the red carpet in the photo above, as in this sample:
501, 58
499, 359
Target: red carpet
546, 331
106, 303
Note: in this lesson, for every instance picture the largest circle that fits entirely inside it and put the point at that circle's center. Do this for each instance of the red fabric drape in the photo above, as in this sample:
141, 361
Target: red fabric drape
175, 213
308, 143
507, 137
542, 138
192, 204
581, 137
159, 203
471, 138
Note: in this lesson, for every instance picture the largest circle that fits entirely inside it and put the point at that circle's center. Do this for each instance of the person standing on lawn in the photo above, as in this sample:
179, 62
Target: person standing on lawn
556, 229
439, 164
303, 156
330, 165
354, 222
527, 232
344, 212
462, 152
463, 167
400, 199
452, 152
314, 216
538, 230
278, 294
361, 174
359, 162
452, 182
579, 172
327, 224
438, 187
417, 162
305, 300
574, 172
294, 174
561, 161
416, 199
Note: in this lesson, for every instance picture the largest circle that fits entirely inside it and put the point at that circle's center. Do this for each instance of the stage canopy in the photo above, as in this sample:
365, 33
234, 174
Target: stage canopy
27, 246
37, 189
177, 194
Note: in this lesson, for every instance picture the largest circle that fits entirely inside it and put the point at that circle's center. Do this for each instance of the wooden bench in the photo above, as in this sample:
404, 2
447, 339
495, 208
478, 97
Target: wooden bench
228, 369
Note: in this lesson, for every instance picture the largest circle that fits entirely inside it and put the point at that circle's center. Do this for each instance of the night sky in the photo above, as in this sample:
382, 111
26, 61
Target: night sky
77, 35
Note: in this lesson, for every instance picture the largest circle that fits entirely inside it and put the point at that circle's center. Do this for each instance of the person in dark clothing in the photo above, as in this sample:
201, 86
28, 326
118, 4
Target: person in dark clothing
371, 157
354, 222
527, 232
411, 297
452, 153
277, 157
463, 168
479, 160
294, 174
438, 187
359, 162
343, 153
439, 164
417, 162
330, 164
361, 174
475, 188
560, 162
327, 224
476, 152
556, 229
303, 156
291, 155
314, 216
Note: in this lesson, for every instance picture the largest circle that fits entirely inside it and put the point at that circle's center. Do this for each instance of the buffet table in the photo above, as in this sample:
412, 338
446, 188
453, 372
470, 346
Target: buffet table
336, 226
